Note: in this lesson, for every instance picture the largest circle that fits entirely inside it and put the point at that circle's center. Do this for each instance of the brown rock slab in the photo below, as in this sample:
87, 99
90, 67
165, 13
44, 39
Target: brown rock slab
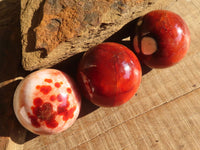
54, 30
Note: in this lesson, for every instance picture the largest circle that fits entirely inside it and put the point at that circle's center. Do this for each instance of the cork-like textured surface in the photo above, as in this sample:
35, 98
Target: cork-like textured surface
53, 31
163, 115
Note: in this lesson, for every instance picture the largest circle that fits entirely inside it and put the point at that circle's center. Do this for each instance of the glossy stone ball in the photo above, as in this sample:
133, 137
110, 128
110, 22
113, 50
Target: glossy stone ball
162, 39
47, 102
109, 74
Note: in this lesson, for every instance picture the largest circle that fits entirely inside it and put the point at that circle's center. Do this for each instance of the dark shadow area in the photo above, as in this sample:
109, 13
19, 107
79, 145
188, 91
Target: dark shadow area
70, 65
128, 30
10, 62
121, 36
31, 36
30, 136
87, 107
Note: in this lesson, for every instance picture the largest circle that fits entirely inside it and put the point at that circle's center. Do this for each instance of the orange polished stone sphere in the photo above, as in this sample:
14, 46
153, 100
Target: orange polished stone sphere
109, 74
162, 39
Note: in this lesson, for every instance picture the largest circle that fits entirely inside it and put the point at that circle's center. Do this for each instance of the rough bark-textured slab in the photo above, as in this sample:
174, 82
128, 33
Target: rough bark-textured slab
53, 30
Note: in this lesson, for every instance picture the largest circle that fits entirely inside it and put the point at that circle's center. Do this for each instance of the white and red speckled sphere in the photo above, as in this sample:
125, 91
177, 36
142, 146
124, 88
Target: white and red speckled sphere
47, 102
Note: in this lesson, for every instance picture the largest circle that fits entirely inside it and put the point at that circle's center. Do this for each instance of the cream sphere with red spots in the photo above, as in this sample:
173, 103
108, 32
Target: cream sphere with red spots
47, 102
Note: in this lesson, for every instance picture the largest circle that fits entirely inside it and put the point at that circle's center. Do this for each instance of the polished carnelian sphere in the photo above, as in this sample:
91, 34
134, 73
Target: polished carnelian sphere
109, 74
162, 39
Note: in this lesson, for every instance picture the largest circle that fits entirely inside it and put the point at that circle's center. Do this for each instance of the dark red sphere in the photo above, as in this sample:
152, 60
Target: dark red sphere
109, 74
162, 39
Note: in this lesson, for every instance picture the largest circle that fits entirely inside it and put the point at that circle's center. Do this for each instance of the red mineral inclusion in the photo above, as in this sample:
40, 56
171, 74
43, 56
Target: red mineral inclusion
60, 97
45, 89
37, 101
63, 109
48, 80
34, 121
51, 122
57, 84
52, 97
69, 90
67, 114
44, 111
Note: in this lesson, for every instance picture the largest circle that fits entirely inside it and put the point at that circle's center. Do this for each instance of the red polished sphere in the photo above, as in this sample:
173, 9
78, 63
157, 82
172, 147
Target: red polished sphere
162, 39
109, 74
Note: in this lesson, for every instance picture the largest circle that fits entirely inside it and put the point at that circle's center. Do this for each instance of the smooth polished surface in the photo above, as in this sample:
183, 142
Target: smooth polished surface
46, 102
109, 74
162, 39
